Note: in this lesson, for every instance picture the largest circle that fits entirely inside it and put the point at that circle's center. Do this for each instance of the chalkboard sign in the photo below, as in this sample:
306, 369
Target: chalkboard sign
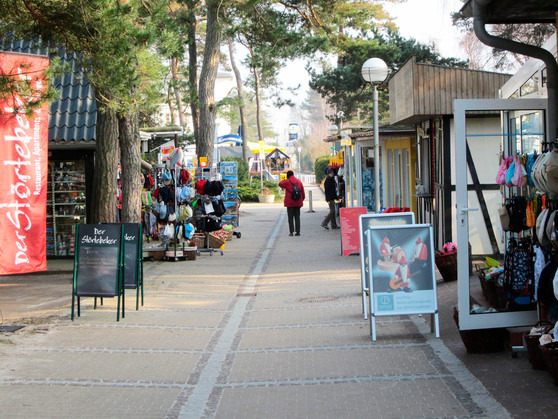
98, 262
132, 255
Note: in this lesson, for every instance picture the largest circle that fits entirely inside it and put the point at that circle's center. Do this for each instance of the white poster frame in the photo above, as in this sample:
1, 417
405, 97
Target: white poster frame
425, 232
392, 217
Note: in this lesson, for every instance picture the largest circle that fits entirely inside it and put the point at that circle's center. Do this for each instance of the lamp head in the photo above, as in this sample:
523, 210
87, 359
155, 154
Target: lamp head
374, 70
333, 129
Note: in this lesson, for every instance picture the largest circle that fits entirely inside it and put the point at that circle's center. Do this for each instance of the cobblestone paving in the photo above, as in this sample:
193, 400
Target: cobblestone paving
273, 329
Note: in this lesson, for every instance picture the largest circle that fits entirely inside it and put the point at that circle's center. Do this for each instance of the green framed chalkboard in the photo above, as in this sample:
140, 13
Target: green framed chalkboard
133, 259
98, 264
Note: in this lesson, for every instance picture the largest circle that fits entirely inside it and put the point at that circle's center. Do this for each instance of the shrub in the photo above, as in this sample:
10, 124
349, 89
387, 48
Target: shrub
320, 168
248, 194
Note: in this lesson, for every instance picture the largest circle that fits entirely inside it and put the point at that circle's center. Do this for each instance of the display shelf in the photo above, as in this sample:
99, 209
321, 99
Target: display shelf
66, 205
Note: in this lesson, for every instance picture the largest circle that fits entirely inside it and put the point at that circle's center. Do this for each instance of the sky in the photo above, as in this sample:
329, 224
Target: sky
427, 21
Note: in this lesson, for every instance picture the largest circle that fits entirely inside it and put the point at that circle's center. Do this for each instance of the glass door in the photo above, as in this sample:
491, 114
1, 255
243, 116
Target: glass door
482, 129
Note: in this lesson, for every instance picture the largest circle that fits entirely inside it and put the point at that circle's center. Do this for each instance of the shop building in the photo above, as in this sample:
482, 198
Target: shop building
423, 95
71, 151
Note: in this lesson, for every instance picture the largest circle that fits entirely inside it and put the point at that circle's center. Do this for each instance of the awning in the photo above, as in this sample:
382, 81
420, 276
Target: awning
267, 148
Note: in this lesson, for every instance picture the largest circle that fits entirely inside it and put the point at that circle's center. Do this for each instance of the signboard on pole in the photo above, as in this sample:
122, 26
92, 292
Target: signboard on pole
23, 163
166, 150
349, 220
403, 276
376, 220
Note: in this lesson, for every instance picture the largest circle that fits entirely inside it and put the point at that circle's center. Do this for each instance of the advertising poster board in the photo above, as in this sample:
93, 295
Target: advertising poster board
375, 220
98, 263
349, 220
403, 278
23, 158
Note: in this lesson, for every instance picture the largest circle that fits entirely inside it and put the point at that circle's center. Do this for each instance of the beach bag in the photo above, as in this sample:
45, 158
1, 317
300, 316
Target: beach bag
504, 218
185, 193
218, 207
518, 178
510, 173
146, 198
168, 231
501, 175
531, 158
517, 208
161, 210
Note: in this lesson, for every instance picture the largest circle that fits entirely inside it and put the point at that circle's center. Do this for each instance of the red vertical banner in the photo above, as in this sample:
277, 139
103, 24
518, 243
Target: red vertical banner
350, 239
23, 164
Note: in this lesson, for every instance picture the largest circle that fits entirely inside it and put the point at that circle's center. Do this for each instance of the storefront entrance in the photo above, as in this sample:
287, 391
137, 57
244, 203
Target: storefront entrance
479, 146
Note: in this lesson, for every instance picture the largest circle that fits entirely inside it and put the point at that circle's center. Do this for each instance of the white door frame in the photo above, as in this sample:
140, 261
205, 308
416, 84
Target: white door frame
469, 321
358, 167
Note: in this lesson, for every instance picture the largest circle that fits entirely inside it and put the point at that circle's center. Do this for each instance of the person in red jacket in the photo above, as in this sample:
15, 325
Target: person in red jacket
293, 205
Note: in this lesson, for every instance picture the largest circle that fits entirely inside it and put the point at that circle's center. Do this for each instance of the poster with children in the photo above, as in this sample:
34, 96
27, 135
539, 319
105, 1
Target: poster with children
375, 220
402, 274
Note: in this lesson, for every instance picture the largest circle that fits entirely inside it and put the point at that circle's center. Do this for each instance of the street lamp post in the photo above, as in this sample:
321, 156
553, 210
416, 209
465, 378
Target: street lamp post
375, 71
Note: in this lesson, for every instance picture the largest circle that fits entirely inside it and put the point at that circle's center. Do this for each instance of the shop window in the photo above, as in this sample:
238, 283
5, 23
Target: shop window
398, 188
390, 171
531, 133
424, 166
405, 187
530, 86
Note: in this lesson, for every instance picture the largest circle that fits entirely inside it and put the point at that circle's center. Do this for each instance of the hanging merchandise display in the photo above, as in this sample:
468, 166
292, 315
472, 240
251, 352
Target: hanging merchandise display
231, 200
208, 221
168, 214
527, 279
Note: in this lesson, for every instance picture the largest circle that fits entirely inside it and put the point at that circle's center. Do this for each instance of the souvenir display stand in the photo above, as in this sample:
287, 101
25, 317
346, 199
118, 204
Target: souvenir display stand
229, 176
209, 208
170, 215
186, 212
66, 205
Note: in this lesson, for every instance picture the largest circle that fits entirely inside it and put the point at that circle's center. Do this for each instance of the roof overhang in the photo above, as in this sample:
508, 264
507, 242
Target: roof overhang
516, 11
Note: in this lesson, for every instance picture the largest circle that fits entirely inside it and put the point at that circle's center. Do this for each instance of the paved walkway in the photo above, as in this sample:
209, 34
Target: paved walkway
272, 329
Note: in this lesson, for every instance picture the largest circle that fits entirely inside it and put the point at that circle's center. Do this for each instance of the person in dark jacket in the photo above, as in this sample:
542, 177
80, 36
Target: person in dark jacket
330, 188
293, 205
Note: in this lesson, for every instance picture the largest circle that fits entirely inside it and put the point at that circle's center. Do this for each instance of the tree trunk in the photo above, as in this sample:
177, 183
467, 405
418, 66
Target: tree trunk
208, 108
258, 104
193, 68
106, 163
176, 88
130, 162
171, 107
243, 123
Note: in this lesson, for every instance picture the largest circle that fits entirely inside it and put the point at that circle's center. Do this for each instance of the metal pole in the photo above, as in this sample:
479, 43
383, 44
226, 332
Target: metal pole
261, 169
310, 201
351, 186
376, 152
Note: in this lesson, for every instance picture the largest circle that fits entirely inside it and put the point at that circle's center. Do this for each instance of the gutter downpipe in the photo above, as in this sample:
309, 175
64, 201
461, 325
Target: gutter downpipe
479, 22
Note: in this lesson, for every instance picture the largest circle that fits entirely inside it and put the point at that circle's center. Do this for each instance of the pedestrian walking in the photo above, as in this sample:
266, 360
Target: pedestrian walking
294, 199
330, 188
